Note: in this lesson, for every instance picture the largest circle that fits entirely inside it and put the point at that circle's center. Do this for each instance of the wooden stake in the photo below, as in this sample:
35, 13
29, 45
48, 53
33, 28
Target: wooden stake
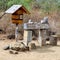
16, 32
40, 39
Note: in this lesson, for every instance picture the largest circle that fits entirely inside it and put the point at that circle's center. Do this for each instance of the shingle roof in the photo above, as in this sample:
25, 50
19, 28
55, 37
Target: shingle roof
14, 8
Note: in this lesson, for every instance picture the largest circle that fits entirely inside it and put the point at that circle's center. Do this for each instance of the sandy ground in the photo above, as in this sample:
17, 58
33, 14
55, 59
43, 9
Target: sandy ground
43, 53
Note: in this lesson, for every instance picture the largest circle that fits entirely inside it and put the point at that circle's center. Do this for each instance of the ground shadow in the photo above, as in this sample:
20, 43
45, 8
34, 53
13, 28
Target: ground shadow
44, 49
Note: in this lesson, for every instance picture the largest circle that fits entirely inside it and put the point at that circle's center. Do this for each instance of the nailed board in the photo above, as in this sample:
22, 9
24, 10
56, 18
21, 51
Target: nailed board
17, 21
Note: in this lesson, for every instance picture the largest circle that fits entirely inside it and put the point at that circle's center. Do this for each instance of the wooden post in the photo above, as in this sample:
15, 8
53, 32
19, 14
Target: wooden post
27, 36
40, 39
16, 32
42, 36
53, 40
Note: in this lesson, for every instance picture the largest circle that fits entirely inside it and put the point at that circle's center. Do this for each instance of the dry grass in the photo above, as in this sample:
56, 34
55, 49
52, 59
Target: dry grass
36, 16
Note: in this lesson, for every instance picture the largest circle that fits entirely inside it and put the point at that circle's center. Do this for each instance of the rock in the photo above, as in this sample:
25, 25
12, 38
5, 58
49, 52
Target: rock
15, 48
13, 52
2, 31
6, 47
11, 36
19, 46
33, 46
45, 20
53, 40
27, 48
22, 49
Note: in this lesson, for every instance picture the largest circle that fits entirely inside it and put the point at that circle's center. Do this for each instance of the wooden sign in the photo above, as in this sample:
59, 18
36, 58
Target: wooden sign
17, 13
17, 21
17, 18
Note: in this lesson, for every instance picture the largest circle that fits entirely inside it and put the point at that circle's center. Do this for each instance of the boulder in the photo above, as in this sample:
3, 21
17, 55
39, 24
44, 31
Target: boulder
6, 47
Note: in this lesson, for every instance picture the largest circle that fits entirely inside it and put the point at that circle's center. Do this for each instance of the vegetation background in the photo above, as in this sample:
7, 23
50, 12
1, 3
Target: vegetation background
38, 9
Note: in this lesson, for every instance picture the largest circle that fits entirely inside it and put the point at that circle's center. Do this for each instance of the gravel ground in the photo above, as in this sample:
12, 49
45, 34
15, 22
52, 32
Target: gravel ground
43, 53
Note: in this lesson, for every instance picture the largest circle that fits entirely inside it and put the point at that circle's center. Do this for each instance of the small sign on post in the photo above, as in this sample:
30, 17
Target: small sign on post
17, 12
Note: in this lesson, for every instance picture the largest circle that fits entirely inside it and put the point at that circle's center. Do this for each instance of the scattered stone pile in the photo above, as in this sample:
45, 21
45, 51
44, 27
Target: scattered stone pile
17, 47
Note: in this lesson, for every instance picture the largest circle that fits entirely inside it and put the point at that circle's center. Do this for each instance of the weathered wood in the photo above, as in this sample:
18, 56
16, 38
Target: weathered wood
40, 39
36, 26
27, 36
16, 33
43, 35
15, 16
17, 12
20, 11
53, 40
13, 52
17, 21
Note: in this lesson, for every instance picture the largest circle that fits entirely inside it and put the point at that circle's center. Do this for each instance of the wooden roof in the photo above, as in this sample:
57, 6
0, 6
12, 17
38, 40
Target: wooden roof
14, 8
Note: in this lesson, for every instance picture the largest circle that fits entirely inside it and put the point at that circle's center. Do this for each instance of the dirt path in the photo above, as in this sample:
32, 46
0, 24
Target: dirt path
44, 53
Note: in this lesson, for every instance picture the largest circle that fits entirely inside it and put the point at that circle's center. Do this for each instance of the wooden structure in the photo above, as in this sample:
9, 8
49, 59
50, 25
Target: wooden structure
17, 12
42, 28
43, 35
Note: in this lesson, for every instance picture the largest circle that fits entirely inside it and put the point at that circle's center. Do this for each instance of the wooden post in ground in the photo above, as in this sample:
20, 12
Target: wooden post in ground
40, 39
42, 36
27, 36
16, 32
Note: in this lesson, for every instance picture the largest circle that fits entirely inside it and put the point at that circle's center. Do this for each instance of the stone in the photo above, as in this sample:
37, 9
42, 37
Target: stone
53, 41
6, 47
16, 52
27, 48
15, 48
33, 46
23, 49
13, 52
11, 36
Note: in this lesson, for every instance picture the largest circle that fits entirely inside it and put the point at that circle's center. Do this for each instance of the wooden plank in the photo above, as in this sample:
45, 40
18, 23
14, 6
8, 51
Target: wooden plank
20, 11
40, 39
15, 16
27, 36
17, 21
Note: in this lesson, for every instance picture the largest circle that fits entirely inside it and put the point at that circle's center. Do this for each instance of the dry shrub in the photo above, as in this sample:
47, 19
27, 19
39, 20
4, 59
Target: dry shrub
35, 16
